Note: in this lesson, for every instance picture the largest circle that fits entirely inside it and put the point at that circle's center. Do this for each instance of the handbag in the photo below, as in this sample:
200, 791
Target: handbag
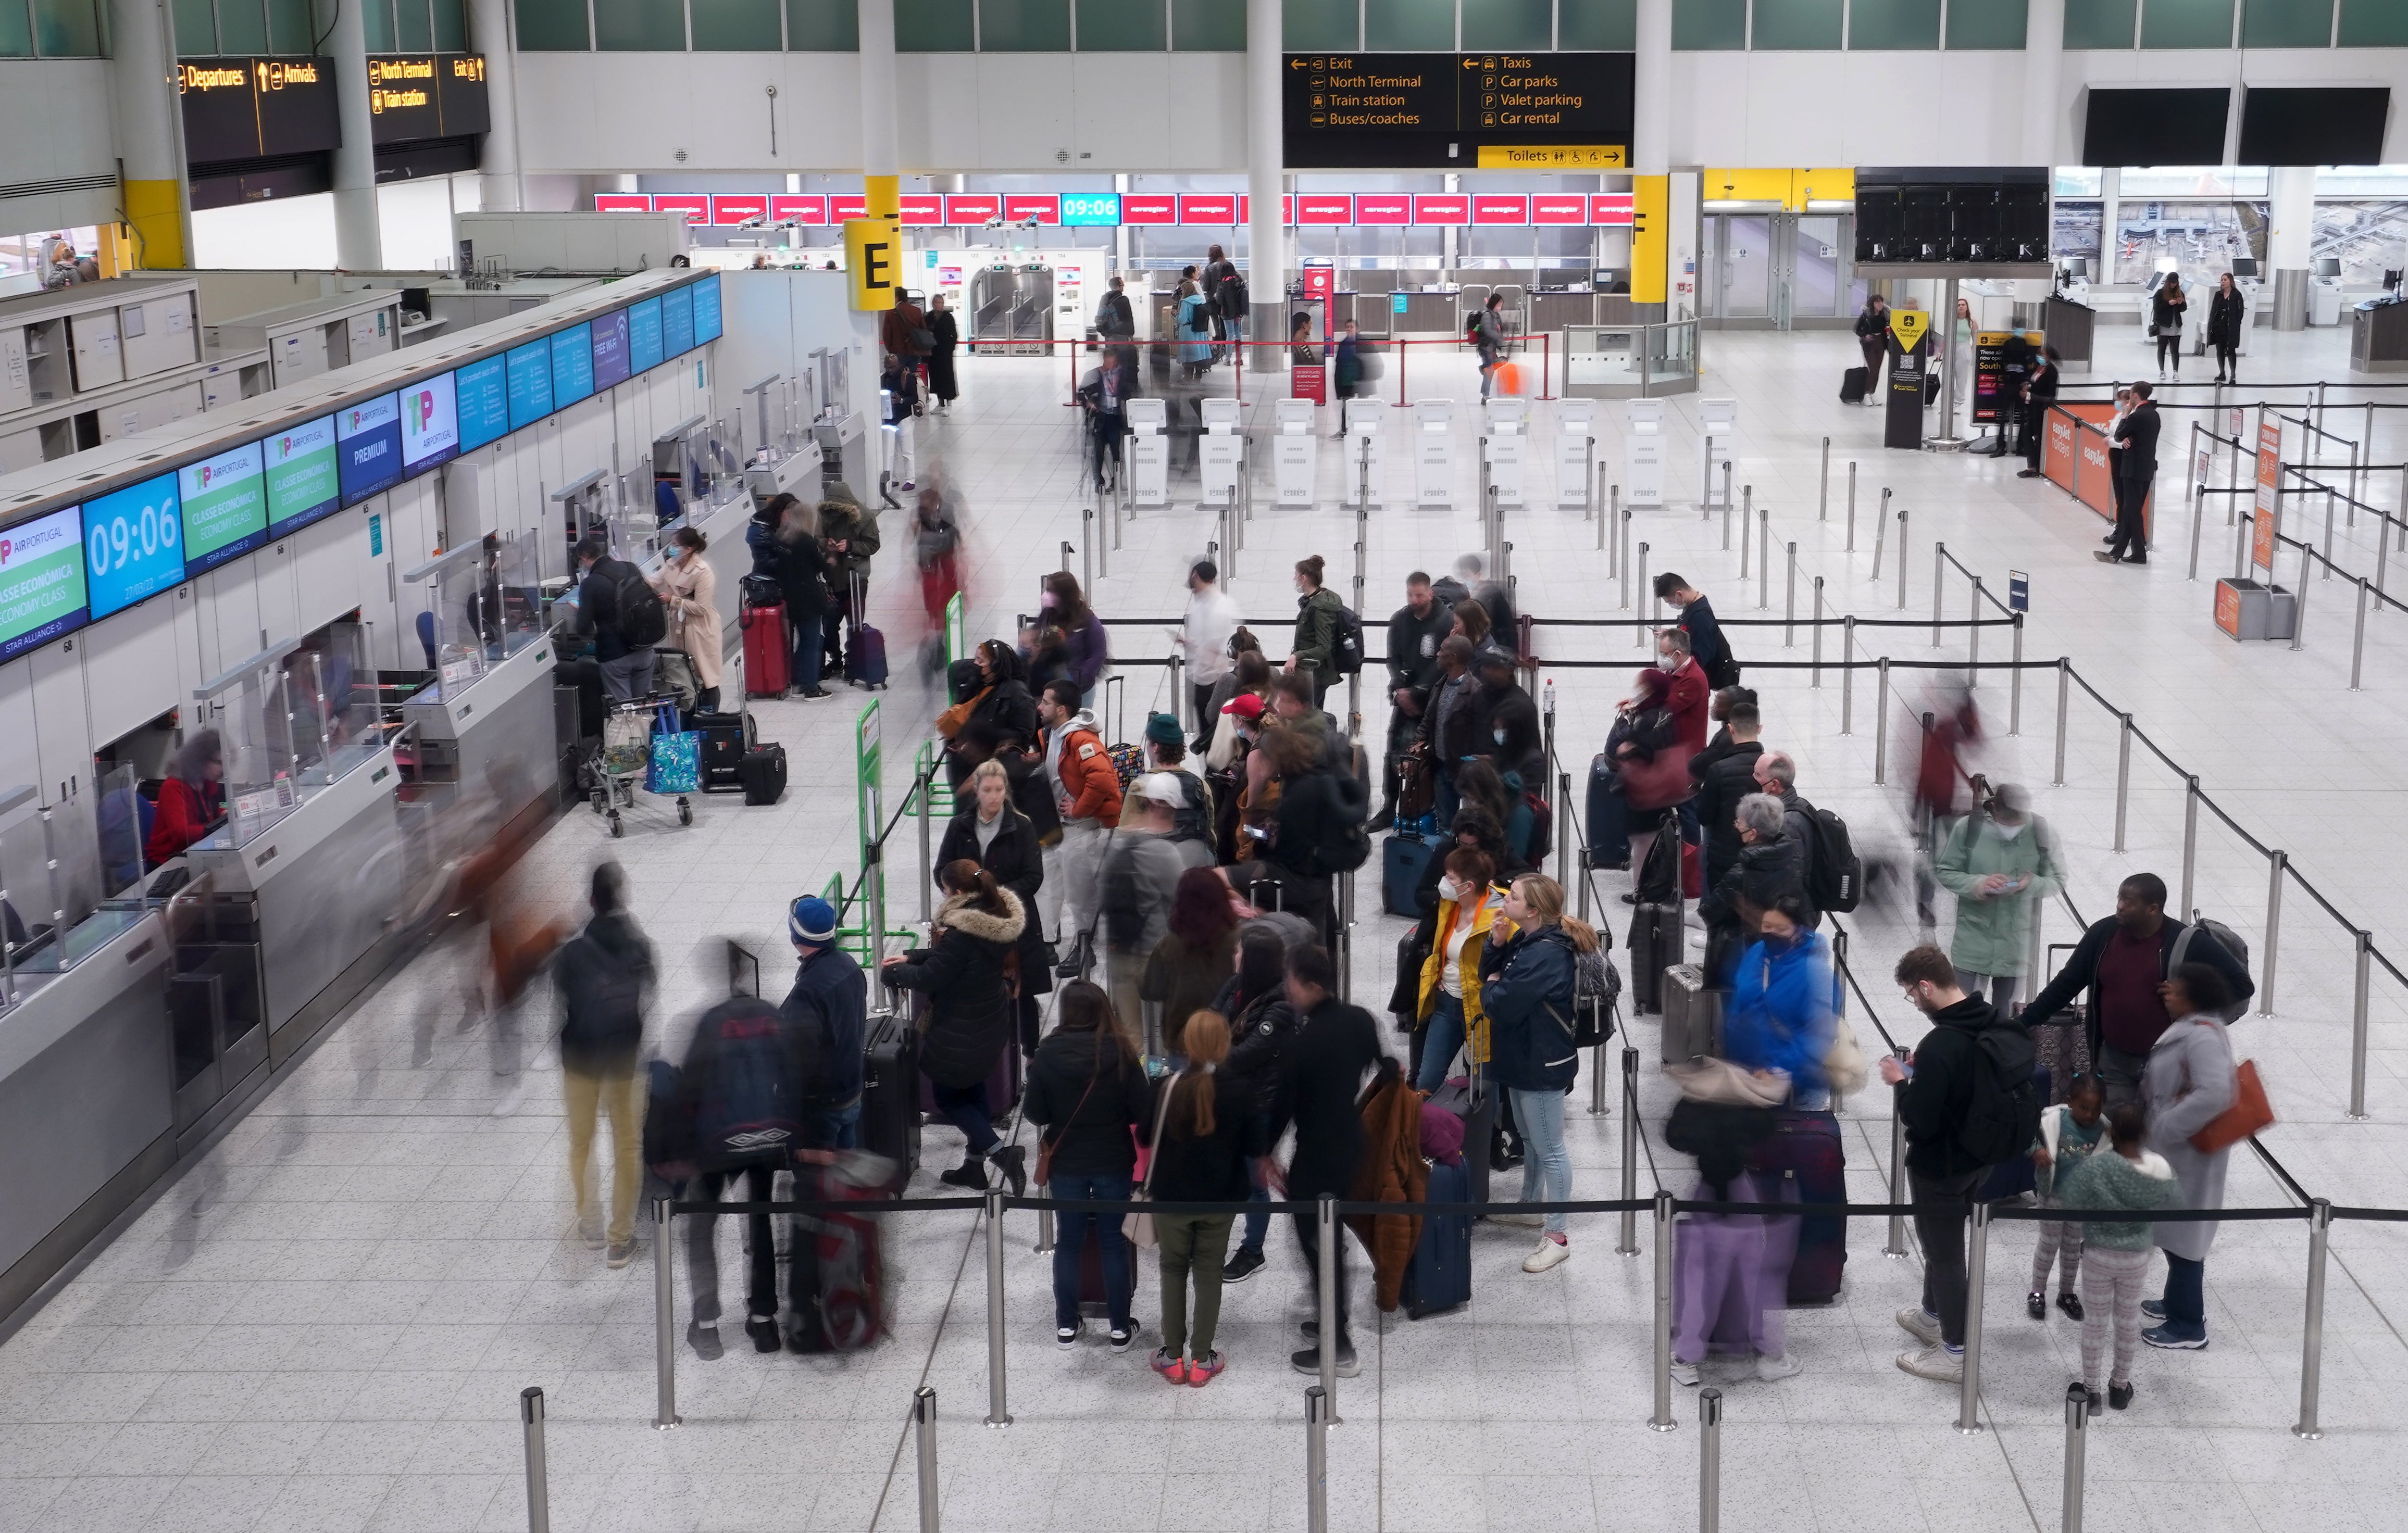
1843, 1067
1136, 1227
2249, 1112
1720, 1080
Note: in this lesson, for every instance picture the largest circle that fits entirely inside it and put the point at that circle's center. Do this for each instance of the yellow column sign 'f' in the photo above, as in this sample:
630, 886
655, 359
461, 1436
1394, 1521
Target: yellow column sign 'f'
870, 262
1909, 326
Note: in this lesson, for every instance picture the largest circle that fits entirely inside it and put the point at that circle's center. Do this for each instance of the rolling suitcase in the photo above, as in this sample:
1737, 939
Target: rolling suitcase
1804, 1150
1655, 947
890, 1102
864, 658
1855, 384
1467, 1100
1693, 1016
726, 738
1608, 818
769, 657
1437, 1278
1402, 860
762, 774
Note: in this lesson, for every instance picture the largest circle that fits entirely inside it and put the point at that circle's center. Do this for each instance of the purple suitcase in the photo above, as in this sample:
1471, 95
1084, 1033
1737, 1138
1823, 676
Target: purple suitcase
1804, 1152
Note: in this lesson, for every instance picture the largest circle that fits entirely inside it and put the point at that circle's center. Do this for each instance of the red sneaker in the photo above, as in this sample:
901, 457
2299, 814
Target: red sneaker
1171, 1368
1206, 1369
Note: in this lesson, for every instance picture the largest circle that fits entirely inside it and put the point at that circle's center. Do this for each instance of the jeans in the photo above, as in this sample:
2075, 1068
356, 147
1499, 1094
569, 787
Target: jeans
838, 1129
1196, 1243
1206, 719
2119, 1073
965, 1108
614, 1095
2186, 1296
2000, 988
1448, 800
630, 676
1070, 1232
1547, 1160
809, 642
702, 1246
1446, 1026
1941, 1205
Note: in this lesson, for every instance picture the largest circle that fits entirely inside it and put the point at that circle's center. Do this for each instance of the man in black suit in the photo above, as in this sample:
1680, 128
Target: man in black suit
2137, 434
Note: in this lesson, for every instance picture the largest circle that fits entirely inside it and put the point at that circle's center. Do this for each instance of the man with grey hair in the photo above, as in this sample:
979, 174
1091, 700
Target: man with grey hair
1776, 776
1770, 864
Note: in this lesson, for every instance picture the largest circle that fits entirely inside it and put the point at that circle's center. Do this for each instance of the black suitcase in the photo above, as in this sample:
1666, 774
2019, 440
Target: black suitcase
1853, 385
762, 774
726, 738
1655, 947
890, 1094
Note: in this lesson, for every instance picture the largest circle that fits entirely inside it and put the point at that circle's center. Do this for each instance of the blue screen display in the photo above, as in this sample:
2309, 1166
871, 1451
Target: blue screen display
530, 383
572, 366
1090, 209
610, 349
133, 544
367, 447
484, 403
644, 336
677, 322
706, 310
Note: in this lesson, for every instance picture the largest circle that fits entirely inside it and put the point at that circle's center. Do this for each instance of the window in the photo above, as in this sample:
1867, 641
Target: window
242, 27
291, 28
451, 26
1120, 26
1508, 23
376, 21
934, 26
1788, 25
639, 26
1307, 25
1993, 24
2285, 24
66, 29
1702, 25
2374, 23
553, 26
2099, 23
1208, 26
2078, 181
1406, 25
2187, 23
735, 26
196, 28
16, 42
1023, 26
823, 27
1892, 24
2150, 181
1597, 24
413, 26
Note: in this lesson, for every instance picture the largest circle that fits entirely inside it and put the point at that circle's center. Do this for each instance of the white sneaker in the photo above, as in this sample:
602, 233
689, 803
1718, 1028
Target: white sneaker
1684, 1374
1530, 1221
1920, 1324
1769, 1367
1551, 1253
1936, 1363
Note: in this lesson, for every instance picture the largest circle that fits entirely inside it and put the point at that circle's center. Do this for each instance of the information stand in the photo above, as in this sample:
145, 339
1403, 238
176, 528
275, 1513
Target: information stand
1149, 451
1366, 432
1576, 464
1717, 435
1296, 452
1645, 446
1433, 452
1505, 443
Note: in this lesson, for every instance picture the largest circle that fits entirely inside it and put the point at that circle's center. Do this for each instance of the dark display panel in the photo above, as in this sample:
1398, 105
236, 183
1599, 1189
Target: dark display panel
2156, 127
2318, 126
1456, 112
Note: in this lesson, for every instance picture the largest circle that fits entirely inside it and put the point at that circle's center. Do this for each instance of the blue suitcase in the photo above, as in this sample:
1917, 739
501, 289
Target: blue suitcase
1609, 819
1402, 860
1438, 1277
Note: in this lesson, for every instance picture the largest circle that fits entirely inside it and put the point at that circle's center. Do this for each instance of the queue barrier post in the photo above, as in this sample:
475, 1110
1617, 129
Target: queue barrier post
2077, 1426
2277, 862
1896, 1250
1663, 1420
2363, 941
924, 1442
1629, 1244
2064, 680
1316, 1460
2123, 773
538, 1478
1710, 1461
998, 1404
2312, 1345
1326, 1238
2016, 681
664, 1414
1977, 1263
2190, 840
1881, 720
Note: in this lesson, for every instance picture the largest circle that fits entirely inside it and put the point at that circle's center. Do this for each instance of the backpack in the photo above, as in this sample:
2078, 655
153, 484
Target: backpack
1597, 984
1231, 297
1128, 761
1542, 826
1189, 822
748, 1106
643, 622
1724, 671
1340, 844
1835, 876
1346, 642
2002, 1112
1124, 917
1471, 326
608, 995
2226, 939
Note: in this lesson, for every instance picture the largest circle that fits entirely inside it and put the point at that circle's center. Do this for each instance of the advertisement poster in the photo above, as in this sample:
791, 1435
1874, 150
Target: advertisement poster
2266, 525
133, 545
225, 506
430, 424
41, 581
302, 485
367, 447
1311, 381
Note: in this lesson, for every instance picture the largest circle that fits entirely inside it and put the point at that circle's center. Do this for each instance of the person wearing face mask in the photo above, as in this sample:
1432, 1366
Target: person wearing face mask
1655, 769
2000, 864
1314, 648
1447, 1010
1446, 730
1068, 642
1766, 871
1781, 1015
1505, 729
1087, 795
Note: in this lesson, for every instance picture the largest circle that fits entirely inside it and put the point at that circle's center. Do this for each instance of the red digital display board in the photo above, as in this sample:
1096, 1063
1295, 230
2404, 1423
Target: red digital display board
620, 202
695, 206
1558, 208
922, 209
1450, 207
1500, 209
1610, 207
799, 209
843, 207
975, 209
1044, 208
1217, 208
737, 209
1383, 208
1148, 209
1320, 210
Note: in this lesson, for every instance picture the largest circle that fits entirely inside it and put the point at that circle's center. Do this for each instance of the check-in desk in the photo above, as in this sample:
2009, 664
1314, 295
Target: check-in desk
485, 727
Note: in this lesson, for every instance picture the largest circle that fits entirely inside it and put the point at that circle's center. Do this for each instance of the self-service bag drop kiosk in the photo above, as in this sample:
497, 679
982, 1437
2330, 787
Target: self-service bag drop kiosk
1575, 462
1644, 445
1504, 445
1717, 439
1222, 454
1433, 452
1367, 429
1295, 451
1149, 451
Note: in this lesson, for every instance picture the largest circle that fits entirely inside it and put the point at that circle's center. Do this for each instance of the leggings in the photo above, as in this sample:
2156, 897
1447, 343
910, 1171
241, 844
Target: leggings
2111, 1298
2169, 345
2228, 362
2060, 1242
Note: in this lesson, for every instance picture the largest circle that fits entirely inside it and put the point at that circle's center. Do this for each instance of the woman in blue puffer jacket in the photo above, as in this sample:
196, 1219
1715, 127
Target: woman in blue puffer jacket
1783, 1014
1528, 978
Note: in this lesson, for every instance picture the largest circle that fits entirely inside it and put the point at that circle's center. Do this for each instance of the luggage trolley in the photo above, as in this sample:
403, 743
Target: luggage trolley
632, 752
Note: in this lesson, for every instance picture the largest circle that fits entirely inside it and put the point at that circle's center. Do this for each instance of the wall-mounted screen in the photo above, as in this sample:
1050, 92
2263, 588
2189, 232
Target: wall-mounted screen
677, 322
430, 424
610, 348
572, 366
643, 336
133, 545
2337, 125
706, 310
2174, 126
302, 485
1090, 209
225, 506
530, 383
482, 396
41, 581
367, 447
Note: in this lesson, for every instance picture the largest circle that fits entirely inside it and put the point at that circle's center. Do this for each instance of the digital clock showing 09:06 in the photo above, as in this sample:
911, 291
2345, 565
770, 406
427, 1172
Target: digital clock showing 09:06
1090, 207
133, 544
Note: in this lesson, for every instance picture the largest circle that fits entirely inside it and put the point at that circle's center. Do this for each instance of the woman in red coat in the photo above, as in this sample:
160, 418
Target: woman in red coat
190, 798
1658, 778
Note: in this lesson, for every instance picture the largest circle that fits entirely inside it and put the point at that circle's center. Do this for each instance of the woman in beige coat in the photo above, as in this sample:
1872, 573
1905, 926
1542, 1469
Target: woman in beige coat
690, 590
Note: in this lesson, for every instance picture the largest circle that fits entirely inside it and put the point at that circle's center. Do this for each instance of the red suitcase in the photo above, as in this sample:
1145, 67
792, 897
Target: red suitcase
769, 657
1804, 1153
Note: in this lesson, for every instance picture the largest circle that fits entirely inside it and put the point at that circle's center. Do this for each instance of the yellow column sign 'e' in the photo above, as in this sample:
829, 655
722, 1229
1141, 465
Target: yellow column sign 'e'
869, 263
1910, 325
1554, 157
1651, 227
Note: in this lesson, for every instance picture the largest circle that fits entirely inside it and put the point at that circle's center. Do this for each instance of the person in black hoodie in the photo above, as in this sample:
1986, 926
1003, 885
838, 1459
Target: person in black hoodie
1206, 1134
990, 832
784, 537
968, 976
1087, 1088
1336, 1046
1415, 630
1262, 1026
2137, 434
604, 977
1724, 778
995, 706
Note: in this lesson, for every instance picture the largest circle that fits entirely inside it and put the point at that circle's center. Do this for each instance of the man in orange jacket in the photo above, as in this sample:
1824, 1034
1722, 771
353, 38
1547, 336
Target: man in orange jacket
1087, 793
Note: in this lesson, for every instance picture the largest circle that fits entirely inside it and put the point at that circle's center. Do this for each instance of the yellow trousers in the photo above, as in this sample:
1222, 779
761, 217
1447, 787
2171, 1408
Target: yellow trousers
616, 1095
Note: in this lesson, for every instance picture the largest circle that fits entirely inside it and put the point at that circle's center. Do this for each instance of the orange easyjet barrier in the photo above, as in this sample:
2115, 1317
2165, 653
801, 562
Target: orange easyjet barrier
2074, 458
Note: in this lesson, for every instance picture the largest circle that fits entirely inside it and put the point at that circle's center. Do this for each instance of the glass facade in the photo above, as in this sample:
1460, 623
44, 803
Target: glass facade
1799, 25
1892, 24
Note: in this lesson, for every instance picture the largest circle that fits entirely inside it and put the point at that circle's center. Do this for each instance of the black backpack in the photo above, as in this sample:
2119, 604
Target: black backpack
1835, 876
2003, 1113
749, 1107
1231, 297
1346, 642
643, 622
2226, 939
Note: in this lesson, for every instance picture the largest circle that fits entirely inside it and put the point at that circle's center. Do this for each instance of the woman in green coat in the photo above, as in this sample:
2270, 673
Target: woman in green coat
2001, 863
1316, 627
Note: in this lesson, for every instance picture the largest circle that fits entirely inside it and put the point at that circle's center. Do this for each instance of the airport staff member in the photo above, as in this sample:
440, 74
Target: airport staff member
2040, 393
2137, 434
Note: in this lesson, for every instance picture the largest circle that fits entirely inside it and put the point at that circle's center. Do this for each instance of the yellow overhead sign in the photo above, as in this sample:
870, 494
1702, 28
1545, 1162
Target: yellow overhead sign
870, 248
1555, 156
1910, 325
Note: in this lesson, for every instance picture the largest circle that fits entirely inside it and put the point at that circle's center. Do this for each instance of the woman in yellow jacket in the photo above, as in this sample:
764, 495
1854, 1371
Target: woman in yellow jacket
1449, 1006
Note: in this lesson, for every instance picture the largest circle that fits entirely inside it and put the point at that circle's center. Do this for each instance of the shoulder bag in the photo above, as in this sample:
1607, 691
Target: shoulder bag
2249, 1112
1137, 1228
1045, 1145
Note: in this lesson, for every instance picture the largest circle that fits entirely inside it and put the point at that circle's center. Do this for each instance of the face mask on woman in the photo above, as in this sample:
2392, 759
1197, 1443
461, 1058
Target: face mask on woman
1448, 889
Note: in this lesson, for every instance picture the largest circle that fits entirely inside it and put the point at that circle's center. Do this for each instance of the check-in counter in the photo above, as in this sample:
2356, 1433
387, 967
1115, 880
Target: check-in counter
1429, 314
485, 727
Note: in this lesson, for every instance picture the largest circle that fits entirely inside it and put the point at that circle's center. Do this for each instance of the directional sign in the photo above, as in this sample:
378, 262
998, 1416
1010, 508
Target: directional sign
1459, 111
2018, 591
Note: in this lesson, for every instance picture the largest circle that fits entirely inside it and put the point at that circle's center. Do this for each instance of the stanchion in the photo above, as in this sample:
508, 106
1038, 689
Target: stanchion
2363, 941
1977, 1263
2123, 773
1818, 618
2190, 843
1789, 624
1639, 630
1823, 499
1326, 1241
539, 1479
2358, 639
1629, 1244
2299, 604
1851, 506
1727, 532
1764, 563
1663, 1420
1903, 525
2312, 1344
664, 1414
1065, 556
2077, 1426
1939, 586
1608, 518
2064, 677
998, 1407
1316, 1460
2016, 681
1881, 720
2276, 860
1896, 1250
1848, 674
1710, 1461
2198, 515
926, 789
1044, 1232
1563, 802
1881, 532
924, 1440
1973, 639
1087, 548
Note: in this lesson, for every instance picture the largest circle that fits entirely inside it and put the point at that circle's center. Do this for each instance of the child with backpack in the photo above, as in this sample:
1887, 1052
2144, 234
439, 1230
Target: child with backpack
2070, 1132
2139, 1180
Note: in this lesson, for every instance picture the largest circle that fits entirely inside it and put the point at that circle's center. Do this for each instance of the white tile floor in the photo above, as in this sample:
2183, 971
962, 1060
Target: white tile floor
324, 1324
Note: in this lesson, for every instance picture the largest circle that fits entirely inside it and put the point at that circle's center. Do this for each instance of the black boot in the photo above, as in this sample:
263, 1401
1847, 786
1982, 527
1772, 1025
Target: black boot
971, 1173
1011, 1160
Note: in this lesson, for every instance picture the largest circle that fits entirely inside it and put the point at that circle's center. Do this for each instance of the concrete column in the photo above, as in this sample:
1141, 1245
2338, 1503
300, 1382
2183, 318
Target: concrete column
488, 32
150, 133
2043, 70
2291, 215
359, 243
1267, 260
881, 153
1651, 97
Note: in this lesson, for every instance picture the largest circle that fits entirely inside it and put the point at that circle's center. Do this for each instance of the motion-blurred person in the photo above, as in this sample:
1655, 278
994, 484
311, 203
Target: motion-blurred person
948, 336
1496, 602
1940, 787
1528, 986
989, 831
1087, 798
1776, 777
604, 977
904, 331
1318, 832
1506, 732
740, 1095
1225, 291
1249, 679
1140, 878
627, 619
2189, 1082
828, 1013
2127, 1177
1185, 971
689, 589
1202, 640
791, 554
1346, 371
2228, 319
192, 797
1872, 339
1087, 1090
1262, 1026
1196, 349
967, 974
1488, 339
1313, 651
848, 532
1782, 1013
1447, 1012
1303, 351
937, 554
1667, 715
1727, 1271
1068, 642
1445, 731
1208, 1133
1104, 396
1415, 631
1336, 1048
2001, 865
1482, 787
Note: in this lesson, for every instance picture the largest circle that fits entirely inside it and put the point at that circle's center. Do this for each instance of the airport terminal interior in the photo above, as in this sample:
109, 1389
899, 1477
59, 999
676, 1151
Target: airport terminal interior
2035, 438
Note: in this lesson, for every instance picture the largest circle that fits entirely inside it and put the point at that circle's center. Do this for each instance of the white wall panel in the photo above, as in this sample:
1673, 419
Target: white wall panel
124, 676
334, 572
62, 718
280, 596
20, 759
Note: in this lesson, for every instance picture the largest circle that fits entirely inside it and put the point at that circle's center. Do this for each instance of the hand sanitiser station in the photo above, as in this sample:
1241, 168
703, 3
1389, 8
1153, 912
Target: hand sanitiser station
1646, 447
1505, 444
1149, 451
1220, 455
1295, 451
1575, 455
1367, 425
1433, 452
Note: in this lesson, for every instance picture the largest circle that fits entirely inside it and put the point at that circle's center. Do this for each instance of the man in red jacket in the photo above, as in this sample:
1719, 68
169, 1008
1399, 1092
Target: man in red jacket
1654, 782
1087, 793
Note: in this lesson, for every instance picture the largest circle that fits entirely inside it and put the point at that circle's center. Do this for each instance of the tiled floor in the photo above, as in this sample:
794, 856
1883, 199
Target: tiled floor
325, 1325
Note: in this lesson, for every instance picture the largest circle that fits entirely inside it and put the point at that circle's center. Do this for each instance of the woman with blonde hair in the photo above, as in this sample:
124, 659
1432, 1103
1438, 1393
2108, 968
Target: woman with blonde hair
1527, 986
1209, 1126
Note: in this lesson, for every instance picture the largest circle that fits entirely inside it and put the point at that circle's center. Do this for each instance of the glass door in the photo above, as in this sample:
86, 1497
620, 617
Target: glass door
1738, 279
